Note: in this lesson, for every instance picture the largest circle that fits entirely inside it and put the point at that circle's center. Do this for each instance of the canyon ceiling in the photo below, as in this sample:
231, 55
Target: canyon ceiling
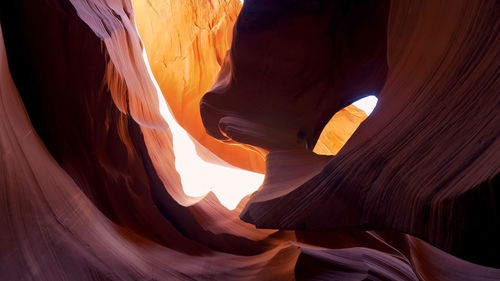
91, 177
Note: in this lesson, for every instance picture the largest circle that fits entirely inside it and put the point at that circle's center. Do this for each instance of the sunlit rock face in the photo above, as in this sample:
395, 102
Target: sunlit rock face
88, 175
343, 124
186, 42
338, 130
185, 65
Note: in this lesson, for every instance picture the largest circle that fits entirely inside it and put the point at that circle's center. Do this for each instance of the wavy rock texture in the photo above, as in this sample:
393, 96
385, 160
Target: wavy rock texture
88, 185
186, 42
426, 163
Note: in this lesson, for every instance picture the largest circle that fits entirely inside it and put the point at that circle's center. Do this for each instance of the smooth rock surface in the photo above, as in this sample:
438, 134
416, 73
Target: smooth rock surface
88, 184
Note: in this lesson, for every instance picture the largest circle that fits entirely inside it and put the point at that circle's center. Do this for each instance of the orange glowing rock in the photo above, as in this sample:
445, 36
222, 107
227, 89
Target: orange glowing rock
186, 42
89, 180
338, 130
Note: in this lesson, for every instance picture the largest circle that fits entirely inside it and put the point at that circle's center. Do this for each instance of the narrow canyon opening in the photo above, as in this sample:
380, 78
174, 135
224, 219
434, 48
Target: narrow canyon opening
131, 158
184, 53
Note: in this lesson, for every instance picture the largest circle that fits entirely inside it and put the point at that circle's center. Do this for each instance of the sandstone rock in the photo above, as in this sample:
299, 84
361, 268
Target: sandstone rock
88, 184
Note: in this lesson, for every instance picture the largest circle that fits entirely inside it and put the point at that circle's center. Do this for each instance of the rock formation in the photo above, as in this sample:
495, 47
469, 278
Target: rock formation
88, 183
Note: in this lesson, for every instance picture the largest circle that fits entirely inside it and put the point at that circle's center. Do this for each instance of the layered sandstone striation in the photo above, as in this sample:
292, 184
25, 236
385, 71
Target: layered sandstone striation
425, 163
88, 183
338, 130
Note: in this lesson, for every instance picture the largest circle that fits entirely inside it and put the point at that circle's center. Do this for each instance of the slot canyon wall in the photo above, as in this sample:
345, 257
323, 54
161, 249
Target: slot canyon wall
89, 189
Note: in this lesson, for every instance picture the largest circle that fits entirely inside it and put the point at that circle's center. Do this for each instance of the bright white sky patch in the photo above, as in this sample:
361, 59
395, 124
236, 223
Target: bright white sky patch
198, 177
367, 104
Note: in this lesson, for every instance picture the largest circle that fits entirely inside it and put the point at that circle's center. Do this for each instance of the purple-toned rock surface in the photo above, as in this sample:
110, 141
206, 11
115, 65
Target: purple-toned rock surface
88, 186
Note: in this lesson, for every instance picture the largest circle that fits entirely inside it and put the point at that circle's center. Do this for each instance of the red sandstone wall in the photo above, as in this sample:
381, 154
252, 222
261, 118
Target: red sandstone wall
411, 196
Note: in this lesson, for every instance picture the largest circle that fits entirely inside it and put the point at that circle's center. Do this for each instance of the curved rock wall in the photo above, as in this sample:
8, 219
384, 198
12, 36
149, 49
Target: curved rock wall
88, 185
